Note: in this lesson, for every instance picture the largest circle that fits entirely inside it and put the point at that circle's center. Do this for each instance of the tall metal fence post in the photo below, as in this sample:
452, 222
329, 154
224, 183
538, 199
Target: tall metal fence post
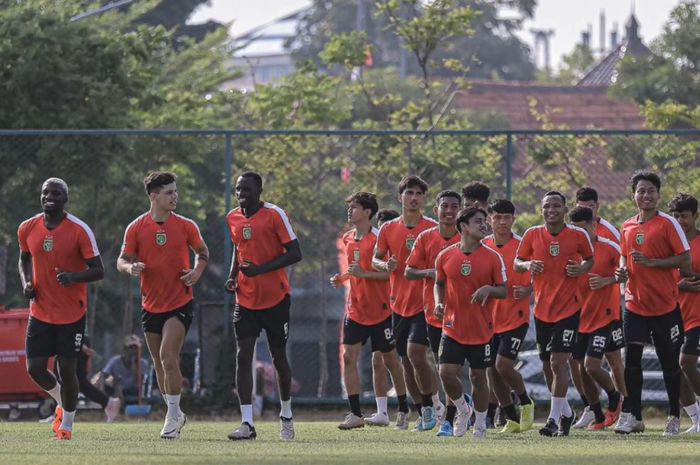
509, 166
228, 249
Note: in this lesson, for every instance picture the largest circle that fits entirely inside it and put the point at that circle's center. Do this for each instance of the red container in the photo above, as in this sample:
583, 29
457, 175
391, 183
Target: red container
15, 383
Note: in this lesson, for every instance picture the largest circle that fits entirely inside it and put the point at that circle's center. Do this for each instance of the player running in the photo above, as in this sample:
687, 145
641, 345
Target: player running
58, 257
264, 245
156, 250
421, 266
511, 319
653, 245
467, 275
396, 239
551, 253
368, 312
600, 329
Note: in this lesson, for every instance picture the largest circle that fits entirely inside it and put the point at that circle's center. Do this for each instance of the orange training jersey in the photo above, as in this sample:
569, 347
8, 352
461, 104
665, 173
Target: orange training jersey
165, 250
652, 291
466, 322
426, 249
64, 248
557, 296
510, 313
367, 299
258, 240
602, 306
397, 240
690, 301
605, 229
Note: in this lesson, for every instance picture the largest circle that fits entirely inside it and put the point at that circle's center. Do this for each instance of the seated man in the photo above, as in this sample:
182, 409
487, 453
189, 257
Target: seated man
121, 373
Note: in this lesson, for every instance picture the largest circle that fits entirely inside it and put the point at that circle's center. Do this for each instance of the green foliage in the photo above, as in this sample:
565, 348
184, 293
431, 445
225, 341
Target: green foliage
670, 73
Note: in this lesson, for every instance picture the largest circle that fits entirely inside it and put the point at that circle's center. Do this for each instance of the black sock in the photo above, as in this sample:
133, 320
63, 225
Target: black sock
427, 400
418, 406
613, 400
524, 398
403, 404
450, 414
491, 412
584, 400
598, 412
511, 412
354, 401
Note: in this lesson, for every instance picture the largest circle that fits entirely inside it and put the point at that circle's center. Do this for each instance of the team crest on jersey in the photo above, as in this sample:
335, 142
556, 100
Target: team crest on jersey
466, 269
161, 238
639, 238
409, 242
554, 249
48, 244
247, 232
356, 255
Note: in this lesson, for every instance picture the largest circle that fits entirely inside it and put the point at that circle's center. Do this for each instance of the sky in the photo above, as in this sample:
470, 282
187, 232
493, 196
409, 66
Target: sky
568, 18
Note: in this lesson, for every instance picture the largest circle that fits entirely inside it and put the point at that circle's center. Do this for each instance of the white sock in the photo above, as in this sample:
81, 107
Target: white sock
67, 423
165, 397
461, 404
286, 408
555, 409
173, 406
436, 399
565, 407
480, 421
55, 394
382, 403
247, 414
693, 411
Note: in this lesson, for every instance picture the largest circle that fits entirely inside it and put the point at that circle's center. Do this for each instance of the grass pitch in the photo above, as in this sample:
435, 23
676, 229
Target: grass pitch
322, 443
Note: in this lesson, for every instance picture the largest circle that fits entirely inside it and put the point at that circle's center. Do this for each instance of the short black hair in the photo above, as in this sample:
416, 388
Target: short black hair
683, 202
447, 193
476, 190
155, 180
254, 176
578, 214
586, 194
503, 206
645, 175
412, 181
367, 200
466, 214
557, 193
386, 214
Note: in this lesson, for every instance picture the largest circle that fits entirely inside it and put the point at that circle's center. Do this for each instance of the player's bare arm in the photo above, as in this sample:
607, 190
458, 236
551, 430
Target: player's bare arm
232, 281
290, 257
689, 284
379, 264
596, 281
130, 264
521, 292
621, 274
575, 269
533, 266
439, 295
482, 294
355, 270
417, 274
201, 260
680, 261
25, 275
94, 272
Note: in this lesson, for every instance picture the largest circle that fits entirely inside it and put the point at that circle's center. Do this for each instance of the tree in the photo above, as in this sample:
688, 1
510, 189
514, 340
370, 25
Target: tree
670, 72
493, 51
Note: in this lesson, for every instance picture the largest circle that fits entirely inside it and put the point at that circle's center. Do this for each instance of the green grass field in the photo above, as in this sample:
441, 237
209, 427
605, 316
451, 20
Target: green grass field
126, 443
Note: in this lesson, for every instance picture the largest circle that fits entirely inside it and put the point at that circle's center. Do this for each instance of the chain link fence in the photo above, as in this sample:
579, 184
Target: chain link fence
307, 173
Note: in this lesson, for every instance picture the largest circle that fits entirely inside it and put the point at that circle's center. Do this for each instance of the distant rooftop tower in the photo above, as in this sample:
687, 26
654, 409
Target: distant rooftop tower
542, 52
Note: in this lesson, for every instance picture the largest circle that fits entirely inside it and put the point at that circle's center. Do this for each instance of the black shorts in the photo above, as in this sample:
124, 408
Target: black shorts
434, 336
609, 338
479, 356
48, 339
665, 331
154, 322
381, 334
691, 343
508, 343
559, 337
413, 329
275, 321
